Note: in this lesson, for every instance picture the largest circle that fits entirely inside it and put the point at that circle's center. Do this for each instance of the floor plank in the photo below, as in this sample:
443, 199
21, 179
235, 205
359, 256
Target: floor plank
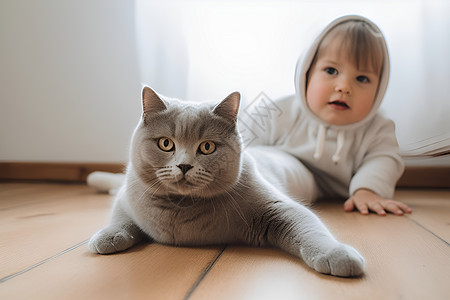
148, 271
16, 195
431, 210
46, 221
43, 229
404, 261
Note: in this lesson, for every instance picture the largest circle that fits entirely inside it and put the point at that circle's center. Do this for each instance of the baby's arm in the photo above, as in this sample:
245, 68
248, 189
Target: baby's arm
373, 184
365, 200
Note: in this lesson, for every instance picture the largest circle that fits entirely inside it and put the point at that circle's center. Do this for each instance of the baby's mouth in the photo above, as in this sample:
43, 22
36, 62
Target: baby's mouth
339, 105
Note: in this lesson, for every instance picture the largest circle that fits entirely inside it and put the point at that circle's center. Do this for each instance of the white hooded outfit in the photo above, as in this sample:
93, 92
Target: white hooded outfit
333, 160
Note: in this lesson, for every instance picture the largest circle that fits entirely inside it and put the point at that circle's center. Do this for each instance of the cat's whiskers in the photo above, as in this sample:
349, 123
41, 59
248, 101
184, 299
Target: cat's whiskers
200, 179
238, 182
235, 204
226, 212
148, 188
165, 173
154, 167
214, 209
155, 191
182, 200
193, 199
133, 183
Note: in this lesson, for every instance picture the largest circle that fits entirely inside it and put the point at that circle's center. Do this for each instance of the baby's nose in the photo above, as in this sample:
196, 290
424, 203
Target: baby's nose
343, 86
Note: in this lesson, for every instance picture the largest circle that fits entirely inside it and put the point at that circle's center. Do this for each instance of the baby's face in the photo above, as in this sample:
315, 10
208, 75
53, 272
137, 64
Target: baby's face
337, 91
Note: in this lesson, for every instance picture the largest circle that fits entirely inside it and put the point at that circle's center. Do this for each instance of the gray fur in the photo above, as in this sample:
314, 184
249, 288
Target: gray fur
225, 197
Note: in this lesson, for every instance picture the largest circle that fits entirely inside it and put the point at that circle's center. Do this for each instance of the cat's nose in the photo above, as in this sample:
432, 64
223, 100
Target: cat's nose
184, 168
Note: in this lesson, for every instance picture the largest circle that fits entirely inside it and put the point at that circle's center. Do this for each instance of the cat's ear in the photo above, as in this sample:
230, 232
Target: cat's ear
229, 107
151, 102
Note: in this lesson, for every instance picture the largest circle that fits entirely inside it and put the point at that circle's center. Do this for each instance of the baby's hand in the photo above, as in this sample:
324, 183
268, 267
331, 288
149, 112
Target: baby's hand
366, 200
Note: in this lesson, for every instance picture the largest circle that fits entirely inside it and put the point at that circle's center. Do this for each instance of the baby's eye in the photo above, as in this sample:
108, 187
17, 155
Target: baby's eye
166, 144
331, 71
207, 147
363, 79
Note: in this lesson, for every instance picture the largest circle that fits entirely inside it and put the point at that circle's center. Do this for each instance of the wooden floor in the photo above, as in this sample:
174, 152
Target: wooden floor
44, 229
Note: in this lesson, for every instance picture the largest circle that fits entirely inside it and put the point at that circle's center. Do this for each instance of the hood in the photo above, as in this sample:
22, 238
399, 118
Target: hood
304, 63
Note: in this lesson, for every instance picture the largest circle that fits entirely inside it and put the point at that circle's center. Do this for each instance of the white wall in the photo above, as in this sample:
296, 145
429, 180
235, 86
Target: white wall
71, 71
69, 80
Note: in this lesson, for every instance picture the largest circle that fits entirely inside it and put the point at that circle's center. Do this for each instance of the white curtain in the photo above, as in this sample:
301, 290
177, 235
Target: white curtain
203, 50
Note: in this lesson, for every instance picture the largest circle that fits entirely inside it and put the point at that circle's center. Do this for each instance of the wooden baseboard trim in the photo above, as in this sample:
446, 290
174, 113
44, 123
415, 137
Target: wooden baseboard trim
426, 177
54, 171
414, 177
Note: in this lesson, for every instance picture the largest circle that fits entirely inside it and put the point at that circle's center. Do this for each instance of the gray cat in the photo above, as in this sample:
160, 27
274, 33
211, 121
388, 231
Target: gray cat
189, 183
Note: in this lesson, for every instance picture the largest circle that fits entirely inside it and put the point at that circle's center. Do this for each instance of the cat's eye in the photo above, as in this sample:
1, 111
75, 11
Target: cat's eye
207, 147
166, 144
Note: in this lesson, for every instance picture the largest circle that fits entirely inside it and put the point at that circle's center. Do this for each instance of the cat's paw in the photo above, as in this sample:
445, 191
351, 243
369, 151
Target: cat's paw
111, 240
342, 260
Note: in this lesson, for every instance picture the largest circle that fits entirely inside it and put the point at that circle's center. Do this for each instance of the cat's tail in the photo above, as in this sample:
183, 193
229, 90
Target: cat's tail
106, 182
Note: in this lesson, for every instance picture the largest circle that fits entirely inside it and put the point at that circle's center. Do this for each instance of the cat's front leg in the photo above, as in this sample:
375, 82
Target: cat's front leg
299, 231
336, 259
121, 233
322, 252
115, 238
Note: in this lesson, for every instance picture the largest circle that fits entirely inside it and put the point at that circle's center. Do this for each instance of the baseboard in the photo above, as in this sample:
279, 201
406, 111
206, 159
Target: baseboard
54, 171
420, 177
425, 177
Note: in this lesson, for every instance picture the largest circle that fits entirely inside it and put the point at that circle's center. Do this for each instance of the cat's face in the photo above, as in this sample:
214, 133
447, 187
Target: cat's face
181, 148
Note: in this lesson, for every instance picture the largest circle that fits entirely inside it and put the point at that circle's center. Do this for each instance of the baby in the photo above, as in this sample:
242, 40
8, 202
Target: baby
332, 126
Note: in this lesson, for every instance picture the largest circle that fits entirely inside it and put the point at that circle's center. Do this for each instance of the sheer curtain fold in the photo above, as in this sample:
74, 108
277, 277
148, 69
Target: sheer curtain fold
203, 50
